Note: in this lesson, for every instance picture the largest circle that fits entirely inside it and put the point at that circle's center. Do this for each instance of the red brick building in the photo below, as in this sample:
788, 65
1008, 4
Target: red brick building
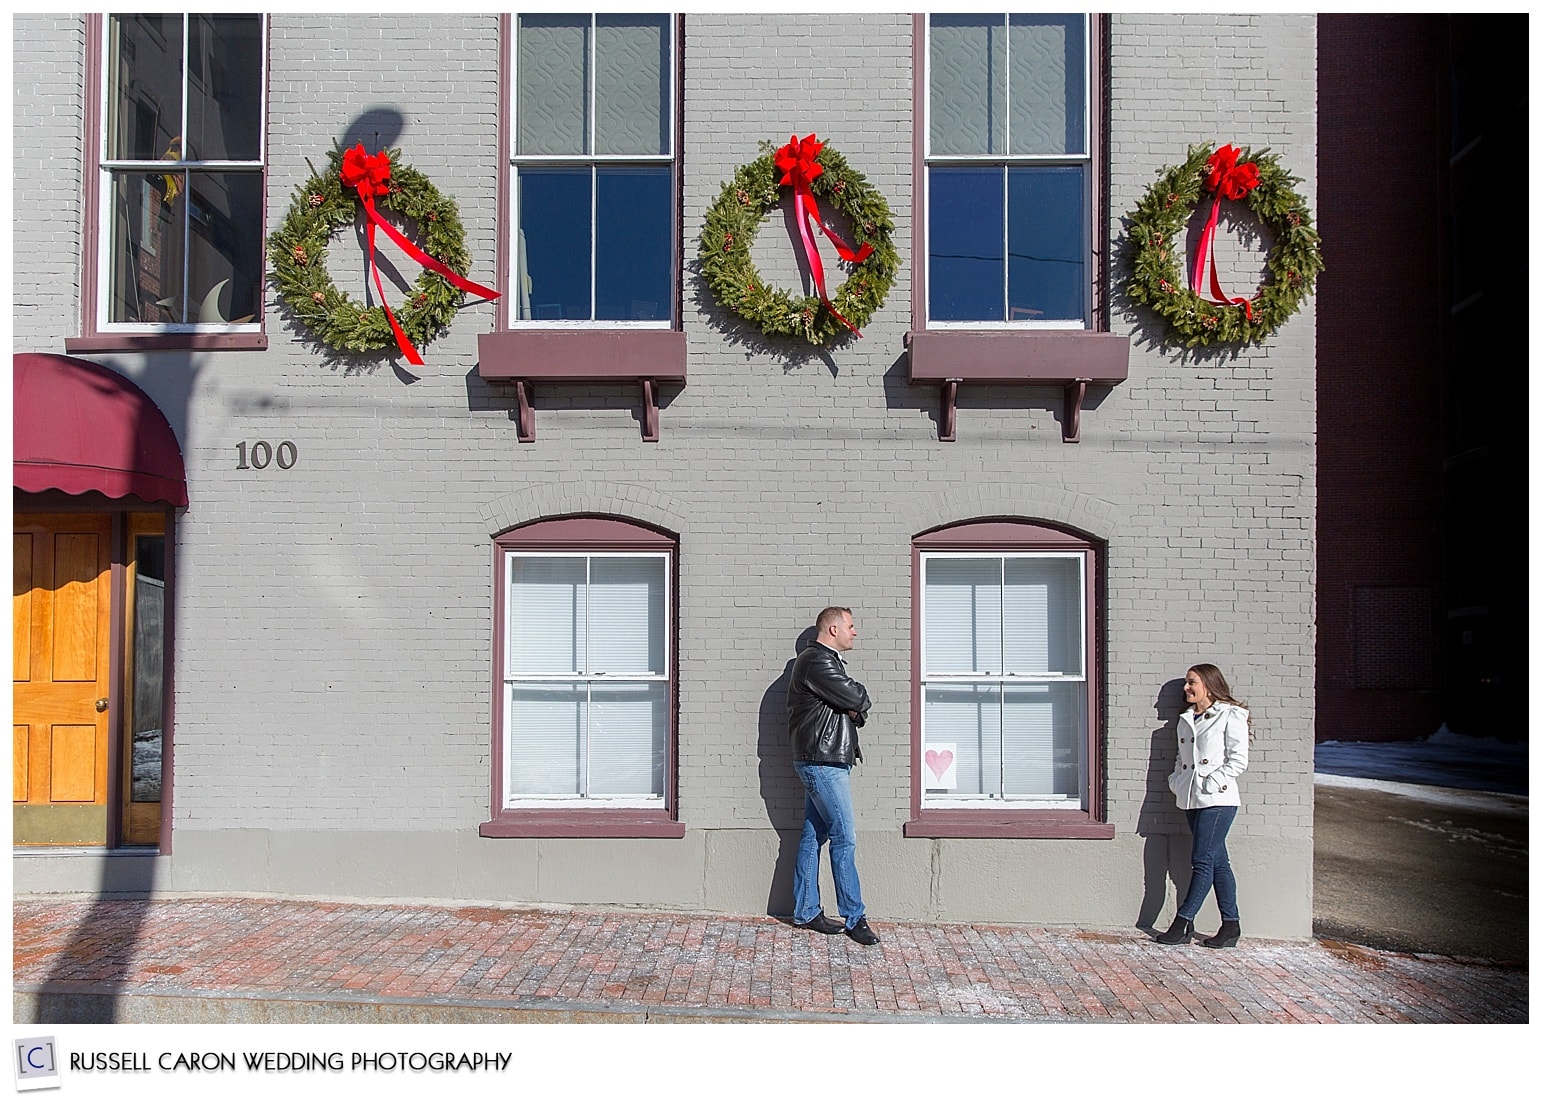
1421, 384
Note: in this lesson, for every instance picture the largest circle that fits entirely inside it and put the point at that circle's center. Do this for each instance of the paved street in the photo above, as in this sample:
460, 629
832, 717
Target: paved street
257, 960
1416, 868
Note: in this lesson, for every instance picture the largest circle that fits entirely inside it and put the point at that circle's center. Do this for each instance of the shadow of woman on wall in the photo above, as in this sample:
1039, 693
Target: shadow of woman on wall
780, 789
1160, 823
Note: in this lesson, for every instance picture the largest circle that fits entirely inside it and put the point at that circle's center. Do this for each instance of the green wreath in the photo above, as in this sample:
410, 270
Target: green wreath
734, 219
1154, 237
321, 206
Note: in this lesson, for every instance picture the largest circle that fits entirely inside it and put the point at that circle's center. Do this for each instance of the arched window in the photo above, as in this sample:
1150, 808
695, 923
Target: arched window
1005, 682
584, 680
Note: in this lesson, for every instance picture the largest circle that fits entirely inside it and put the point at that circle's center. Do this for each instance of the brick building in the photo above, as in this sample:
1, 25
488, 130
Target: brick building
1422, 552
333, 600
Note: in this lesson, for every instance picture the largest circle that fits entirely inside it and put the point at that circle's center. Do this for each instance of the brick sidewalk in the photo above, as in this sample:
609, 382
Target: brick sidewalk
441, 963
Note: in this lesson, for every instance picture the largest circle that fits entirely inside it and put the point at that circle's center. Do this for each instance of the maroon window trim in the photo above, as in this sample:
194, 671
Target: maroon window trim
592, 534
92, 338
999, 536
1068, 359
522, 355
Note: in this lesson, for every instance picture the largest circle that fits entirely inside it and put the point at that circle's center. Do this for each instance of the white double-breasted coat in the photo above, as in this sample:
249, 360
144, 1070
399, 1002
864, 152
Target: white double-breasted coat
1212, 754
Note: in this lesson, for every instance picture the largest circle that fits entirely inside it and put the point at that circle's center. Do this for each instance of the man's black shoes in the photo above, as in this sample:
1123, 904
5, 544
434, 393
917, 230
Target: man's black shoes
822, 924
862, 934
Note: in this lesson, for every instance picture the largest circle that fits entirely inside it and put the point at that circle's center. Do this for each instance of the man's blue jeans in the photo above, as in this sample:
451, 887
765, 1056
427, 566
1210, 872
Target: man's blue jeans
827, 817
1211, 866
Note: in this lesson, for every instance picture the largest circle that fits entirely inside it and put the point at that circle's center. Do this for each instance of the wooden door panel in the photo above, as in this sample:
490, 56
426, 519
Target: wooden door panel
21, 607
72, 776
19, 744
77, 595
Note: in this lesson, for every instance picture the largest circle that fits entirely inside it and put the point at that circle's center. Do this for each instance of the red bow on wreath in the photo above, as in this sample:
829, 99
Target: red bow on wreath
796, 160
369, 175
1227, 179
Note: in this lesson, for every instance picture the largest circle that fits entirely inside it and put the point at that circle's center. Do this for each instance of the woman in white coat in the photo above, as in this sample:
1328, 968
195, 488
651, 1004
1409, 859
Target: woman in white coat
1212, 753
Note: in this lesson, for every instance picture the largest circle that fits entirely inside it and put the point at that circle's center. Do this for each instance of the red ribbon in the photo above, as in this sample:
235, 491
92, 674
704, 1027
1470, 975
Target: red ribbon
1227, 179
369, 175
796, 161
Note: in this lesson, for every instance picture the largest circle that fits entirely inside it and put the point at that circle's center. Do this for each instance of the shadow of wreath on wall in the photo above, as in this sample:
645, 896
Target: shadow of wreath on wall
353, 189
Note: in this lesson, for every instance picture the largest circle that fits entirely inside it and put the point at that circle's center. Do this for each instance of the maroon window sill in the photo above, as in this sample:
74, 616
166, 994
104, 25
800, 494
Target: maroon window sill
559, 823
964, 823
187, 341
524, 357
1070, 359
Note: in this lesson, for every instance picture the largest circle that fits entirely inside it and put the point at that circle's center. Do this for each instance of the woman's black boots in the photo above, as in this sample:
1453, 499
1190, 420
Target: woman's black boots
1229, 934
1177, 934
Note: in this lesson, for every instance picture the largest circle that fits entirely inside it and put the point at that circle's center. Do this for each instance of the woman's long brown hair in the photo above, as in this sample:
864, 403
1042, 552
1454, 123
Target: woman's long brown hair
1215, 683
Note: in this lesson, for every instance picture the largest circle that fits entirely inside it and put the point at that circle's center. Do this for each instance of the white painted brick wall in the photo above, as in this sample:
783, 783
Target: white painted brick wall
47, 104
333, 660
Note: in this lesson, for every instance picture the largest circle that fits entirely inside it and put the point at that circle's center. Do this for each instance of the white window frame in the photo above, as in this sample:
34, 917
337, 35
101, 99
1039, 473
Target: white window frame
108, 168
593, 161
928, 678
1006, 160
513, 801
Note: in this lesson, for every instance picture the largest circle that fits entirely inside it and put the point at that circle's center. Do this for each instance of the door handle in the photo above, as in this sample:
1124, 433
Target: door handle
101, 705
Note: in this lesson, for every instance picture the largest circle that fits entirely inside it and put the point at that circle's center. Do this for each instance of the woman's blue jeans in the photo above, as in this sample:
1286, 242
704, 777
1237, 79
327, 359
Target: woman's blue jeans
827, 817
1210, 865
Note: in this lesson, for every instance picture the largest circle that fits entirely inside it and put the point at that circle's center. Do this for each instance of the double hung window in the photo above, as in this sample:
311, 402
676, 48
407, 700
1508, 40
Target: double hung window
585, 674
1003, 679
1005, 706
179, 193
593, 176
586, 692
1009, 178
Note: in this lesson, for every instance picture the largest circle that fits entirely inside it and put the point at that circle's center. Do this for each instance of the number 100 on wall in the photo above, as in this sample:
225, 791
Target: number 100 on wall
259, 455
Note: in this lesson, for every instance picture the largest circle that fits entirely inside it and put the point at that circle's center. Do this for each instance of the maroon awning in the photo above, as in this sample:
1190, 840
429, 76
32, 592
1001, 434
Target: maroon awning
80, 427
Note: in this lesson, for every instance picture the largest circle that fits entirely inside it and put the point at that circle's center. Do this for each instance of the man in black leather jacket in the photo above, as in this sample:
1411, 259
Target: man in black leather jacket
825, 707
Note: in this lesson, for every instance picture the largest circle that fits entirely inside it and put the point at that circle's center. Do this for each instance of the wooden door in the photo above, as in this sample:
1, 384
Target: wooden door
61, 632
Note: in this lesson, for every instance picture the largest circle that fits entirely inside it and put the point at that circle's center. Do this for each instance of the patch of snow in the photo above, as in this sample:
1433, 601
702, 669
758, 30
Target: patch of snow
1444, 760
1482, 800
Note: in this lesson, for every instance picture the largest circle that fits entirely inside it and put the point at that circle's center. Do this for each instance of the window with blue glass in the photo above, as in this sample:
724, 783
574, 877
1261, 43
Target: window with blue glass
592, 154
1008, 170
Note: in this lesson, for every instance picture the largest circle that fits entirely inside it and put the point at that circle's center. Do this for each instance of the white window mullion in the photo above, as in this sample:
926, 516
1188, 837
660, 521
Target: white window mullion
1006, 126
586, 752
1006, 230
594, 240
1001, 726
1001, 592
587, 670
1006, 186
186, 46
187, 189
592, 92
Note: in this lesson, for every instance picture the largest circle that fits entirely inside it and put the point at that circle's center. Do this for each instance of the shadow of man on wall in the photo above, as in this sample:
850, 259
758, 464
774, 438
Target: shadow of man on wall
1159, 823
780, 789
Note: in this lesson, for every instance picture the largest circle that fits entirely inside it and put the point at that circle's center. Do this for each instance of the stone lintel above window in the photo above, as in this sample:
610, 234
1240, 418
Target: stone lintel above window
1070, 359
524, 357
